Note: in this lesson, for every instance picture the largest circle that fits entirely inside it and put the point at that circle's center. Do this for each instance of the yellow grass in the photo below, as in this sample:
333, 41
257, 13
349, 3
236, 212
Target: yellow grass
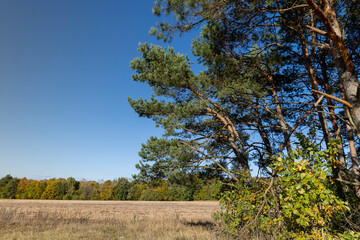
51, 219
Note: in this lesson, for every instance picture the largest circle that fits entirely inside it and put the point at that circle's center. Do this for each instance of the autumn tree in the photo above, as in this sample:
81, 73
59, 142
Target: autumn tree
106, 190
36, 188
21, 188
89, 190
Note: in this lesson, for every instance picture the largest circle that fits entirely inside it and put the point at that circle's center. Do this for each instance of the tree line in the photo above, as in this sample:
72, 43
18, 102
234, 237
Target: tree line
187, 188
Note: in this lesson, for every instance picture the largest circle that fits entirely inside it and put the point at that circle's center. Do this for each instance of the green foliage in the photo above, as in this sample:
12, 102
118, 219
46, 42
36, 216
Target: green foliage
209, 191
10, 189
160, 157
308, 201
5, 180
299, 203
121, 189
158, 193
177, 192
243, 203
60, 189
8, 186
185, 187
89, 190
36, 189
179, 187
262, 60
55, 189
72, 187
136, 190
193, 111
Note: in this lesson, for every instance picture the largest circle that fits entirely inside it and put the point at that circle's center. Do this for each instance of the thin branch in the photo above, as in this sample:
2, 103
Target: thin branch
319, 45
334, 98
299, 121
263, 204
280, 10
316, 30
352, 183
214, 161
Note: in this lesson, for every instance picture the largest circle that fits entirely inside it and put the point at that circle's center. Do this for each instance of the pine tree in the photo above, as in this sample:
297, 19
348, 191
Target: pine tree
269, 66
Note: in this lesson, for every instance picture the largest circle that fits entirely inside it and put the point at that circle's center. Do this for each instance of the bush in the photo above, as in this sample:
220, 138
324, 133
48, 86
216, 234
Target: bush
152, 194
177, 192
209, 191
299, 202
136, 190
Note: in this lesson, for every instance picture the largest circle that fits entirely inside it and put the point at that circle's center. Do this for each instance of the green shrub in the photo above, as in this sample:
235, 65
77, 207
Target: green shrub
151, 194
209, 191
298, 202
177, 192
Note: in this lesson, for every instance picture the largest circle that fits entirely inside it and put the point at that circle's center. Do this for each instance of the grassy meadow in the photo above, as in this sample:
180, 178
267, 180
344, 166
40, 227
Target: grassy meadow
61, 219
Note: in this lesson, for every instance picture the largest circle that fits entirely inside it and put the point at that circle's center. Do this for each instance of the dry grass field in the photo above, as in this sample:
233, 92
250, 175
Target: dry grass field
52, 219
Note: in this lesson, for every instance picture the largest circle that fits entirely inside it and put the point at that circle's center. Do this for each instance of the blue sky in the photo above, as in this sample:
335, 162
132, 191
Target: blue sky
64, 83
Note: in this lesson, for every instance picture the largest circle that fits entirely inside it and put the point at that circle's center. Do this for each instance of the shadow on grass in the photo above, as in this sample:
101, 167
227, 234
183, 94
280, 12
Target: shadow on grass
205, 224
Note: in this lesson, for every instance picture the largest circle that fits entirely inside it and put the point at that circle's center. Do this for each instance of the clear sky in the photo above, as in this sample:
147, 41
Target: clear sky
64, 83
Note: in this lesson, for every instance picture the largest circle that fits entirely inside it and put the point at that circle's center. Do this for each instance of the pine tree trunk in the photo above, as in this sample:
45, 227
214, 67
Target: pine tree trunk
326, 86
341, 55
345, 68
353, 153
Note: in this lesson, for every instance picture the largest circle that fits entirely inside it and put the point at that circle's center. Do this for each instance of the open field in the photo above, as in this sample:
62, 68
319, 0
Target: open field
52, 219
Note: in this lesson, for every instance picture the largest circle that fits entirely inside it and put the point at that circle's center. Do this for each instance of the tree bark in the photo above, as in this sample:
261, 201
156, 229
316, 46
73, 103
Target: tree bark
353, 153
349, 84
341, 55
326, 86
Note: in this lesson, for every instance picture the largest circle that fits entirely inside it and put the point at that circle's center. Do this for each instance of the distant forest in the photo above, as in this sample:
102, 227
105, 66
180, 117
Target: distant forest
188, 188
